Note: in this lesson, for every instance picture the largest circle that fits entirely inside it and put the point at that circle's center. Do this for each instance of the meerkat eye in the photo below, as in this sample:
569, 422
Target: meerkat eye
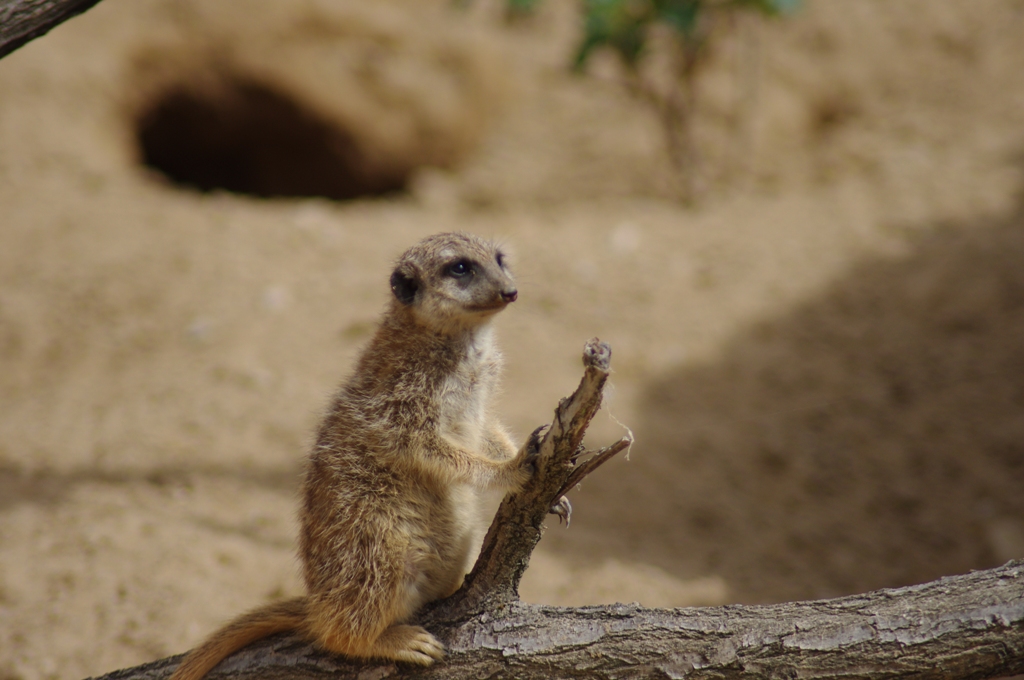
460, 269
500, 259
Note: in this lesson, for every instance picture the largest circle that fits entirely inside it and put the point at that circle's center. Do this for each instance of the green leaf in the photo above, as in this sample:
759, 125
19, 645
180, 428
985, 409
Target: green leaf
681, 15
521, 7
770, 7
619, 24
623, 24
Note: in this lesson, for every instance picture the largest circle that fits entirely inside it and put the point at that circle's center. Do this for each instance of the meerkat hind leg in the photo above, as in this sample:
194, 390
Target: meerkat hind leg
408, 643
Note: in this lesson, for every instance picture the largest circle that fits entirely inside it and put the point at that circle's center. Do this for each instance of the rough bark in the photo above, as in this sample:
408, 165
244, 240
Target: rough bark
969, 626
25, 20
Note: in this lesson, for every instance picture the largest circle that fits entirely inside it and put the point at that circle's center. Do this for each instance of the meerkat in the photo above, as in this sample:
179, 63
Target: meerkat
388, 521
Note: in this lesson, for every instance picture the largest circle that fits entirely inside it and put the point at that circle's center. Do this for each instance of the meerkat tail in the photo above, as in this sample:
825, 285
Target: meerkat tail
278, 617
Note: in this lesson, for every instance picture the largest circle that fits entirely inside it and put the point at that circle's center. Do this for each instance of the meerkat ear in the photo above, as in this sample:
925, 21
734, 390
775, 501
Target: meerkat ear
404, 286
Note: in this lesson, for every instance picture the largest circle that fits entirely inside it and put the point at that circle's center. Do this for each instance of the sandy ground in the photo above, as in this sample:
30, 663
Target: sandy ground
822, 359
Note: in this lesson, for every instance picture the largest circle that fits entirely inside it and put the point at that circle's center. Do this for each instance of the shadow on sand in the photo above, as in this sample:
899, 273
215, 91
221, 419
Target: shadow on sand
871, 437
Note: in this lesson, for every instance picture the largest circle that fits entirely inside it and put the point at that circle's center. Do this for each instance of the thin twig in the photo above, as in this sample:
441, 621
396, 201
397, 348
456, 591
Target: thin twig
599, 458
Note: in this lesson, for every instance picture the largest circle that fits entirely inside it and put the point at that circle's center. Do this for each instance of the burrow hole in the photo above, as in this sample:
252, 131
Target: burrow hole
247, 137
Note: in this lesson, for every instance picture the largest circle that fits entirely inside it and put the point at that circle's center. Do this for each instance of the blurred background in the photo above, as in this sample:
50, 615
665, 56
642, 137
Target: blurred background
802, 234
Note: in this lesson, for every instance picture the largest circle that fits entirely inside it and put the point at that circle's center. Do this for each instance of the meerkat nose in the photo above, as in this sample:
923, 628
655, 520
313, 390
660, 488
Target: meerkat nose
509, 295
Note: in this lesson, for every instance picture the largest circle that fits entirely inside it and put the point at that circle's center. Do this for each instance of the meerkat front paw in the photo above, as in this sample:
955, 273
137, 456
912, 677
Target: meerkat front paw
533, 443
531, 449
524, 466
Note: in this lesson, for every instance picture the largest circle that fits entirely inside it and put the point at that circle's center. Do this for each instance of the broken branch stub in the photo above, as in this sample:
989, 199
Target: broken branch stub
518, 524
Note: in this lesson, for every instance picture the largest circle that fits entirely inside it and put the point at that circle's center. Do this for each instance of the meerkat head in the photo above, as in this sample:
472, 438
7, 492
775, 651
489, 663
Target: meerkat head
451, 282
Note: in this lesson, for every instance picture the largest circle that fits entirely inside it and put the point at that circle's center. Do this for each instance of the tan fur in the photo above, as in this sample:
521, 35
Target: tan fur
389, 520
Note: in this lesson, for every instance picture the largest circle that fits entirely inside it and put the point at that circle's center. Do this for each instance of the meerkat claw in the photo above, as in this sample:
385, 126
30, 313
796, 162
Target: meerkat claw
531, 450
535, 440
426, 645
563, 509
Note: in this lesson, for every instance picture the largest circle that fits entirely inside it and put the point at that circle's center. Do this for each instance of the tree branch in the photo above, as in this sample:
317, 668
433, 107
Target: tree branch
25, 20
969, 626
518, 524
